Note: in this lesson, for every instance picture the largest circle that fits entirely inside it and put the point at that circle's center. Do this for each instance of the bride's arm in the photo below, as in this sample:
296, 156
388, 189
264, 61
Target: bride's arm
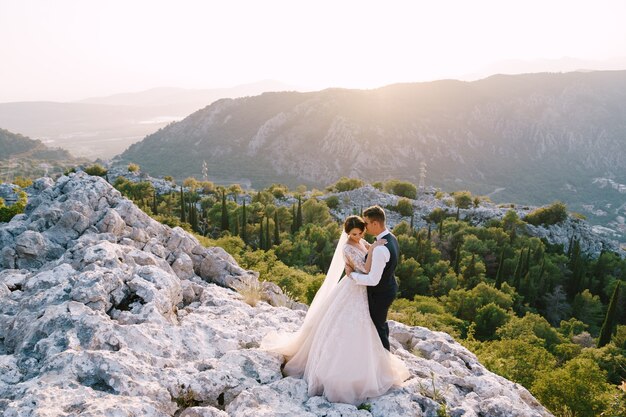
370, 249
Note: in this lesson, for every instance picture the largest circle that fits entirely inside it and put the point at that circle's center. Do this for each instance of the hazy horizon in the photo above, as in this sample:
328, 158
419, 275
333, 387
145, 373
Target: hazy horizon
70, 50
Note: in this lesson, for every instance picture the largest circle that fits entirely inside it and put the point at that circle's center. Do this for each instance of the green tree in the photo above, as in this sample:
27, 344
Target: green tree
262, 245
299, 217
401, 188
610, 319
276, 229
533, 328
346, 184
464, 303
244, 223
412, 280
577, 389
183, 217
488, 319
516, 360
225, 220
133, 168
547, 216
8, 212
588, 309
191, 183
332, 201
462, 199
404, 207
315, 212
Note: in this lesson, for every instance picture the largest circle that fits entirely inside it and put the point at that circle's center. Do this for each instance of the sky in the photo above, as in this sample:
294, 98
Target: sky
65, 50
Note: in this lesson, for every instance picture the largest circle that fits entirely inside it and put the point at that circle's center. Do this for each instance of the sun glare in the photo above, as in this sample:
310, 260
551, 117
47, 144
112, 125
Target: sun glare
72, 49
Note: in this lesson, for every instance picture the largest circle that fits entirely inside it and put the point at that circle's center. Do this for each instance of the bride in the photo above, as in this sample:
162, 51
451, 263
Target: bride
337, 349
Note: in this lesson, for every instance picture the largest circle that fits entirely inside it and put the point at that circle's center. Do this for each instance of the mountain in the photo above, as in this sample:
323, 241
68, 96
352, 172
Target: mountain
563, 64
188, 99
20, 155
531, 138
104, 311
104, 127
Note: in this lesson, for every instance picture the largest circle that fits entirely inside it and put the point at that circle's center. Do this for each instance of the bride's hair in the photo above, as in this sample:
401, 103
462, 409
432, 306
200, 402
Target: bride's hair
352, 222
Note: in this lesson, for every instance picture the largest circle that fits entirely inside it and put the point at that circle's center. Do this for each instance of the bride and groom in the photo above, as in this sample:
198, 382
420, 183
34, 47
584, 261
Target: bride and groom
342, 348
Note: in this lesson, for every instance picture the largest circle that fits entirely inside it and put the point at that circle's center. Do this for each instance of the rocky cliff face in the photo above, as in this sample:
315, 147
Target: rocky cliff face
105, 312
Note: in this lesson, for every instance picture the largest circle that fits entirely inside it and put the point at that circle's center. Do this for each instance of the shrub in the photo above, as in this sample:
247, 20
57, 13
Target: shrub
404, 207
8, 212
97, 170
345, 184
251, 291
462, 199
22, 182
133, 167
332, 202
547, 216
401, 188
278, 190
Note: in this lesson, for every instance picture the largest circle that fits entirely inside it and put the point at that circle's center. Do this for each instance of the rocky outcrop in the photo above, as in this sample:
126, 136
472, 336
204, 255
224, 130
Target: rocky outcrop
592, 241
105, 312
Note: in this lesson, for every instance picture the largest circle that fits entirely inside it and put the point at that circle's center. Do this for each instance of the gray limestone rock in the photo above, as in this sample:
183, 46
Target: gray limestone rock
130, 317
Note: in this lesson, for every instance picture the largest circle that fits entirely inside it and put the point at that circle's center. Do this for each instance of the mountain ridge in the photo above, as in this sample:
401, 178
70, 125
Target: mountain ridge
534, 137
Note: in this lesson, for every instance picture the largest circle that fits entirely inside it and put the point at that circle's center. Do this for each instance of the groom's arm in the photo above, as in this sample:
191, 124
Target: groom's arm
380, 257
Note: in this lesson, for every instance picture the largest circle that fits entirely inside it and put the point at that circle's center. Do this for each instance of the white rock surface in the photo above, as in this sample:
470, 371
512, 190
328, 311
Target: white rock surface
118, 315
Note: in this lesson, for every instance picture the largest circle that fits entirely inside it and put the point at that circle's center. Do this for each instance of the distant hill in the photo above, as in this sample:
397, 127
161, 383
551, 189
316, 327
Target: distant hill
530, 138
105, 126
20, 155
186, 100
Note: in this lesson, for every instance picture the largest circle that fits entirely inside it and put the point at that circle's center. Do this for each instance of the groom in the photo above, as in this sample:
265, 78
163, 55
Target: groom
381, 283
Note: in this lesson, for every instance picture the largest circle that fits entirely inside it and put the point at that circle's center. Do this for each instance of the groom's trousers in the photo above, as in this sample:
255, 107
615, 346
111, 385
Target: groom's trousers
379, 306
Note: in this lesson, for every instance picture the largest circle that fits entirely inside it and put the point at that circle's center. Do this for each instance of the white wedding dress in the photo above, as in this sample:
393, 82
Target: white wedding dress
337, 350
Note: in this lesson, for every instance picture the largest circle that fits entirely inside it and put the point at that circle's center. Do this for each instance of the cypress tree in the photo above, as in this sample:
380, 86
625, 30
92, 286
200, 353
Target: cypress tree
293, 219
268, 242
244, 222
236, 226
457, 259
299, 214
527, 262
441, 229
499, 274
469, 275
457, 213
429, 227
154, 202
575, 265
224, 212
194, 216
412, 228
276, 229
610, 319
542, 278
183, 217
261, 235
517, 276
419, 256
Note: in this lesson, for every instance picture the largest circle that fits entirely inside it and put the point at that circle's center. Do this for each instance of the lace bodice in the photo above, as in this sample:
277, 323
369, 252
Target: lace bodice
354, 257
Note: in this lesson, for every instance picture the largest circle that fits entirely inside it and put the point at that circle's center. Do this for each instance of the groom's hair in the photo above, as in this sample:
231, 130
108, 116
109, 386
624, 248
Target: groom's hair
375, 213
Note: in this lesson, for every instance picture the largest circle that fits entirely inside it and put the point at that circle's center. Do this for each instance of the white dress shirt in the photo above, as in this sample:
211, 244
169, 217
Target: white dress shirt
380, 257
